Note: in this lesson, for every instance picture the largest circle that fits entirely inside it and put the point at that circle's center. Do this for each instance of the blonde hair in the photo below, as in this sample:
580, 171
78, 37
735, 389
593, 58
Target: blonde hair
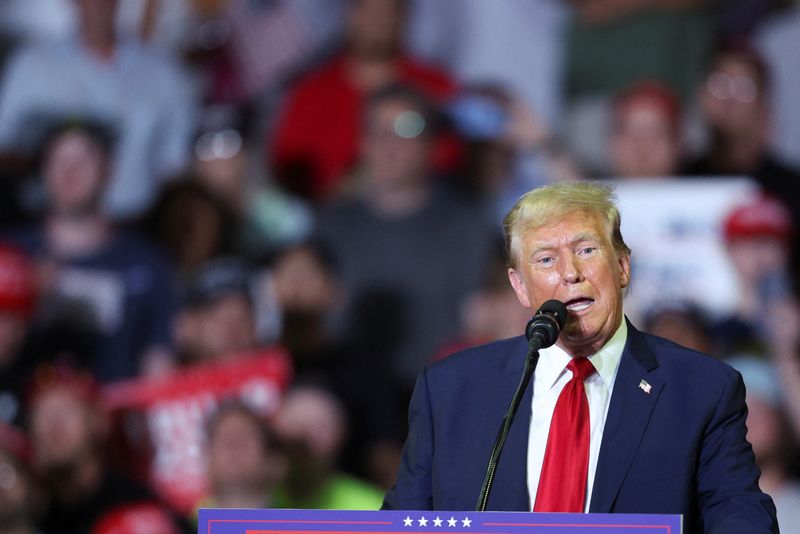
543, 205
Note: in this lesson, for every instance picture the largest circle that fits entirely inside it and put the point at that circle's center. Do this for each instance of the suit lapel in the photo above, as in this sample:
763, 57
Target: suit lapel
510, 489
628, 415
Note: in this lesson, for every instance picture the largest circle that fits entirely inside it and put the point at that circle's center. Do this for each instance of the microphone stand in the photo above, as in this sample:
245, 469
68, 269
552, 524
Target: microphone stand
531, 359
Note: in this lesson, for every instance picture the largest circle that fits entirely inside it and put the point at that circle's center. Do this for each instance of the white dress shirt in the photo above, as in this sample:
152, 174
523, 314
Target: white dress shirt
549, 379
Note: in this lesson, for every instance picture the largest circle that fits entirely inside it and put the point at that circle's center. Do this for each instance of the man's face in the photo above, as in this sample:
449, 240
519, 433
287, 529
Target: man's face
74, 173
732, 98
574, 261
61, 429
302, 283
644, 143
226, 327
757, 257
97, 16
375, 28
313, 422
237, 455
396, 145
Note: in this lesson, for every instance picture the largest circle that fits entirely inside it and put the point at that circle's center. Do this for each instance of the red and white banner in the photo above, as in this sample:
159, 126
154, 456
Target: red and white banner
168, 415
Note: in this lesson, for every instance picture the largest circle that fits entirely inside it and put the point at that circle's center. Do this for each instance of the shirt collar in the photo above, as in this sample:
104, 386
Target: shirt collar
606, 360
553, 360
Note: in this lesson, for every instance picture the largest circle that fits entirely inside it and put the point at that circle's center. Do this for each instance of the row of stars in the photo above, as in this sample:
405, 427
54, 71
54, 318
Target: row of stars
423, 522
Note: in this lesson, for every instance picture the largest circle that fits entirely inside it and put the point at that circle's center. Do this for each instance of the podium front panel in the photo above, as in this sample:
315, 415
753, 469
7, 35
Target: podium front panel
232, 521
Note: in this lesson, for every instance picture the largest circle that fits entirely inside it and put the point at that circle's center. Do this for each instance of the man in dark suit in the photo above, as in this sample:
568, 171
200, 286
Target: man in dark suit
616, 420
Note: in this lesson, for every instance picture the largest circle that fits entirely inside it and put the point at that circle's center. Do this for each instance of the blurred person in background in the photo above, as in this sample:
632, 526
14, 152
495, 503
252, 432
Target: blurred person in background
163, 23
776, 41
312, 426
309, 292
144, 94
18, 288
191, 225
69, 433
783, 328
768, 431
316, 139
409, 251
96, 276
767, 317
684, 323
19, 499
492, 311
734, 100
267, 218
612, 45
779, 173
508, 149
244, 461
519, 45
672, 38
757, 237
307, 288
218, 319
250, 49
646, 128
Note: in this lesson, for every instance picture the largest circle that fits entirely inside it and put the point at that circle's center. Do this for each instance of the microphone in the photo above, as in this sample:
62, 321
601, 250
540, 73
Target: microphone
542, 331
546, 324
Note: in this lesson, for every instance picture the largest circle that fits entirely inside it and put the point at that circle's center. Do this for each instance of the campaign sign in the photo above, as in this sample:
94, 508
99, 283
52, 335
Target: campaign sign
674, 229
166, 416
212, 521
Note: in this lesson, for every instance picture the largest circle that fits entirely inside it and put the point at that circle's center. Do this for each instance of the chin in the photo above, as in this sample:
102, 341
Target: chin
575, 330
576, 337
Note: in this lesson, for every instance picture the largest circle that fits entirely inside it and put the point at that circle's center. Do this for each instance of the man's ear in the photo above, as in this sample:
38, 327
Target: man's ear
625, 270
518, 283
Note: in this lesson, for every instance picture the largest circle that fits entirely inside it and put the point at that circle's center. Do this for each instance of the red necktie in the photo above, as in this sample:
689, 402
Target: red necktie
562, 484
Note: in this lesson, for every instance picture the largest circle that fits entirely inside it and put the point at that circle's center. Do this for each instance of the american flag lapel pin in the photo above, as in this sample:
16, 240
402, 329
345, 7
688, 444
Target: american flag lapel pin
644, 386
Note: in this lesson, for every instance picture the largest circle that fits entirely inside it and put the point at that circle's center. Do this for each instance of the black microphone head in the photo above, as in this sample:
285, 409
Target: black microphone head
546, 323
556, 309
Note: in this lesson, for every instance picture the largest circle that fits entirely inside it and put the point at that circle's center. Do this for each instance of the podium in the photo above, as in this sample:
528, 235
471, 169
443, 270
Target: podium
232, 521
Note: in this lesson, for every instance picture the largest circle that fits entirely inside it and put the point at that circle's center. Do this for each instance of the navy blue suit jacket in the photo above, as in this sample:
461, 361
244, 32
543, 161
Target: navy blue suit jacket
680, 449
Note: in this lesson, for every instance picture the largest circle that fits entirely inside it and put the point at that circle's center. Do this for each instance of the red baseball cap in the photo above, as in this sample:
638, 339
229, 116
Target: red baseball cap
763, 217
135, 518
17, 281
654, 93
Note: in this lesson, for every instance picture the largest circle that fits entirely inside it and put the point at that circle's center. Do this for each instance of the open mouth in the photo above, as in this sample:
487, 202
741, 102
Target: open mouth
579, 304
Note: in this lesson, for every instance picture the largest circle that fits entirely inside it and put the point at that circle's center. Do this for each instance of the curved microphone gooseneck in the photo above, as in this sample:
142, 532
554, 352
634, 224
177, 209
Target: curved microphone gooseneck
542, 331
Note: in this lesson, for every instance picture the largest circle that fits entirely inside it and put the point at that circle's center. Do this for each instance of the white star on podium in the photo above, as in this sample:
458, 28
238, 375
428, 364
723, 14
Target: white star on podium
437, 522
451, 522
467, 522
407, 522
423, 522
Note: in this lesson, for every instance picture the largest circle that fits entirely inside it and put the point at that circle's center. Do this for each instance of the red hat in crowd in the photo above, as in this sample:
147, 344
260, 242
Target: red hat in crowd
654, 93
17, 281
763, 217
144, 517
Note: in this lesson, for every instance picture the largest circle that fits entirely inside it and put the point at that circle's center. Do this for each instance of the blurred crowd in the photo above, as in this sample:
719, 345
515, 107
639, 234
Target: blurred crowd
184, 181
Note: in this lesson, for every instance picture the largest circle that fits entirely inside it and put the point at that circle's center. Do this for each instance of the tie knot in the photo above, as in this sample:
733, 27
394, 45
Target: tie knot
581, 368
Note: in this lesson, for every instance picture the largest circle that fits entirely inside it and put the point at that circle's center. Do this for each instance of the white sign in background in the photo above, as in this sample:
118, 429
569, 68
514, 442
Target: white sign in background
675, 229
